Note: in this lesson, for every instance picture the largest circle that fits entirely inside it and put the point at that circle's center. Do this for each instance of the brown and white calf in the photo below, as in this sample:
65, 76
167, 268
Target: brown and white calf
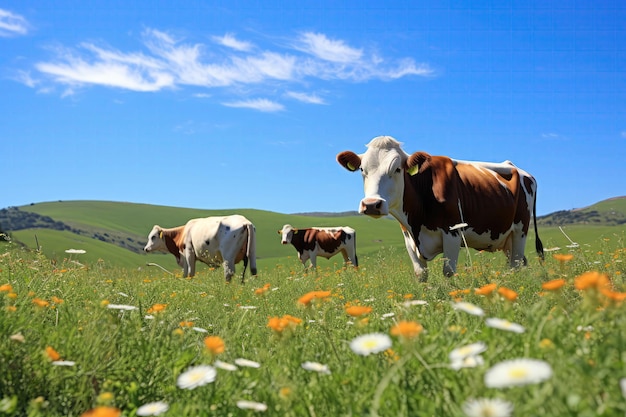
228, 239
435, 198
321, 241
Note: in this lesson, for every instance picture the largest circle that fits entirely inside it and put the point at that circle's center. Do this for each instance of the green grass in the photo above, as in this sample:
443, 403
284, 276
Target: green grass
124, 359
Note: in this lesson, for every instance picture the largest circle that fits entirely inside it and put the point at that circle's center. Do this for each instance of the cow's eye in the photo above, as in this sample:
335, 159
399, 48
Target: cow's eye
398, 170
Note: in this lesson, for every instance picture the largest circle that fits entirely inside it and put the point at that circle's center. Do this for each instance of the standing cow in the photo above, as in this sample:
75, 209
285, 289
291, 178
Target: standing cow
228, 239
321, 241
433, 197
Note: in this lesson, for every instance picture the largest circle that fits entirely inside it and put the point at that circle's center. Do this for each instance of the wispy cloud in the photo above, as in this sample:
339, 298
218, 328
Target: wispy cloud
552, 136
260, 104
12, 24
305, 98
230, 41
167, 62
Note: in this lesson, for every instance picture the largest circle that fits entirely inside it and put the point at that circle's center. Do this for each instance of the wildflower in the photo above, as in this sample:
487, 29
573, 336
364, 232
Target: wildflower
507, 293
316, 367
156, 308
356, 311
485, 289
411, 303
591, 280
225, 366
406, 329
622, 385
279, 324
214, 344
121, 307
370, 343
40, 303
457, 293
563, 257
199, 329
546, 343
196, 376
613, 295
52, 354
75, 251
6, 288
553, 285
251, 405
285, 393
247, 363
517, 372
57, 300
64, 363
307, 298
17, 337
487, 407
503, 324
467, 362
469, 308
263, 289
11, 309
153, 409
186, 324
463, 352
102, 411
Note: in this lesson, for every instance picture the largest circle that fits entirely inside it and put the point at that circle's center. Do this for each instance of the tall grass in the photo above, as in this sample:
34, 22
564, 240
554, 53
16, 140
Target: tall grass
127, 358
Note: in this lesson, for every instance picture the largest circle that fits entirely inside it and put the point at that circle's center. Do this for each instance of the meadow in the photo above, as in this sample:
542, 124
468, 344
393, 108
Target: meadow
84, 338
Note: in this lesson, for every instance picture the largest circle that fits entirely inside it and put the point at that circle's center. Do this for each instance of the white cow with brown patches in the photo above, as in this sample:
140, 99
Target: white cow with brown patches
227, 239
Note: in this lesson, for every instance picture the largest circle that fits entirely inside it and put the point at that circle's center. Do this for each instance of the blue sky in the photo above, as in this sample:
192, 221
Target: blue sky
244, 104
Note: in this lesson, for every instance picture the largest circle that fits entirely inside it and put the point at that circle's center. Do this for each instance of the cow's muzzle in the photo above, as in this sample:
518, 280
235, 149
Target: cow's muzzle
375, 207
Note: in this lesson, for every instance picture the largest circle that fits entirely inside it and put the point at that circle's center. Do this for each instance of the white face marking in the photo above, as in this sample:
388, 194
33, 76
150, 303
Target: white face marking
286, 234
155, 243
383, 181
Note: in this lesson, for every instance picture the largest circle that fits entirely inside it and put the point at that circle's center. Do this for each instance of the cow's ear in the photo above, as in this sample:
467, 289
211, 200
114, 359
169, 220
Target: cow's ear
349, 160
416, 162
280, 232
295, 231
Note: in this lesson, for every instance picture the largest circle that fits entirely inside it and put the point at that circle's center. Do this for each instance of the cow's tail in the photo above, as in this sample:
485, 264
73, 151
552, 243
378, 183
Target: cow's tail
538, 244
356, 258
251, 248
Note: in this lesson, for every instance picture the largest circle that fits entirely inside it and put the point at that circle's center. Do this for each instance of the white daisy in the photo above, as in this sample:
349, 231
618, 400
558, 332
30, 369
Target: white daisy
75, 251
410, 303
517, 372
370, 343
196, 376
469, 308
121, 307
487, 407
199, 329
248, 307
503, 324
64, 363
388, 315
467, 362
251, 405
153, 409
225, 366
247, 363
622, 385
316, 367
463, 352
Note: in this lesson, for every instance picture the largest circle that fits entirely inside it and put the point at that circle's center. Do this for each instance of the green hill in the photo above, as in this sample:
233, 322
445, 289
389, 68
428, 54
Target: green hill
114, 233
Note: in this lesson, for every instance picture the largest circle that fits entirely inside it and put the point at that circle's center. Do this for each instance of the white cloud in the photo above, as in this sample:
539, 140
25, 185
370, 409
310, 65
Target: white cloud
169, 62
306, 98
12, 24
230, 41
260, 104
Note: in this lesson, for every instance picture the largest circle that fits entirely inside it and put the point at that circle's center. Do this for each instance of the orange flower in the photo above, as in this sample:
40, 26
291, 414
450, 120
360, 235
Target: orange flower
40, 303
406, 329
563, 257
156, 308
215, 344
553, 285
310, 296
103, 411
456, 293
6, 288
11, 308
613, 295
52, 354
356, 311
57, 300
507, 293
263, 289
485, 289
279, 324
185, 323
590, 280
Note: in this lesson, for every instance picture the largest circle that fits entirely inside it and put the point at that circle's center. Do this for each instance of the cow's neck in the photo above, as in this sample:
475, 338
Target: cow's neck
411, 214
174, 241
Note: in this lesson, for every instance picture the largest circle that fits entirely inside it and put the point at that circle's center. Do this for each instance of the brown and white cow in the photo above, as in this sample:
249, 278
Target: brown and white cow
434, 197
228, 239
321, 241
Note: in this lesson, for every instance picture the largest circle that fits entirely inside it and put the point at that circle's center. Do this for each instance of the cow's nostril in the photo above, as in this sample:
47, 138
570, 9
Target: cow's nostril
378, 205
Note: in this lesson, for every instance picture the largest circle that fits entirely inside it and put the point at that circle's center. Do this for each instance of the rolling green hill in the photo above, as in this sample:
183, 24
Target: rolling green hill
114, 233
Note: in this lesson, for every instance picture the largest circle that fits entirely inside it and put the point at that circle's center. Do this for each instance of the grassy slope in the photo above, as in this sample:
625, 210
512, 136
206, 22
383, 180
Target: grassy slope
136, 220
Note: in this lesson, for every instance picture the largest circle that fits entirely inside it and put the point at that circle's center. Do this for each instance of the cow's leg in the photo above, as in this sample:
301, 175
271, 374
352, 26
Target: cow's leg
245, 266
313, 257
516, 256
229, 270
349, 255
189, 269
304, 256
419, 263
451, 249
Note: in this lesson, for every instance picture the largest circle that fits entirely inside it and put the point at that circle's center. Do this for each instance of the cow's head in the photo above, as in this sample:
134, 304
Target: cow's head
287, 233
383, 167
155, 240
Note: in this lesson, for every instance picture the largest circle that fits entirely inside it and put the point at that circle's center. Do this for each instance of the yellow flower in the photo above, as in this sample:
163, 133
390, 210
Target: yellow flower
214, 344
156, 308
590, 280
553, 285
12, 295
104, 303
507, 293
356, 311
546, 344
485, 289
102, 412
406, 329
11, 308
52, 354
